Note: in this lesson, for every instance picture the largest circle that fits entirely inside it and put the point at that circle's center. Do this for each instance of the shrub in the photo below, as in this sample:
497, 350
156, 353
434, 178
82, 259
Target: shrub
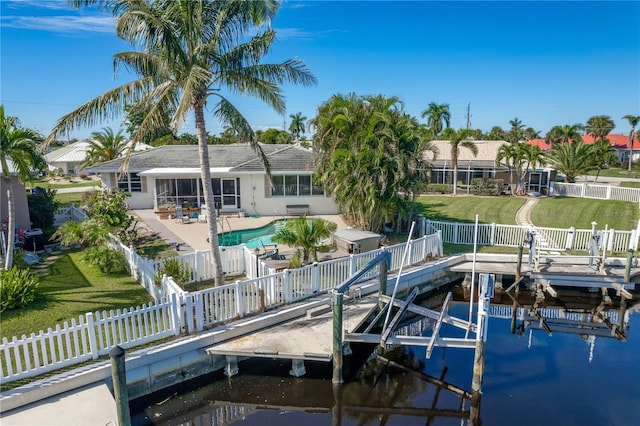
108, 261
486, 186
42, 207
17, 288
180, 272
440, 188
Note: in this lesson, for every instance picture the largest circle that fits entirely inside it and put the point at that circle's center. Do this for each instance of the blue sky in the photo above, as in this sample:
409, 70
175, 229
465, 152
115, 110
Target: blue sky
546, 63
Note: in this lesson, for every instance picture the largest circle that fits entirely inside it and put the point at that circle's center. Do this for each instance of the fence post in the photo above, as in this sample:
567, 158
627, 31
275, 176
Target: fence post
570, 237
608, 197
286, 285
239, 298
493, 233
93, 342
455, 233
199, 312
315, 278
175, 317
352, 265
582, 190
196, 265
188, 304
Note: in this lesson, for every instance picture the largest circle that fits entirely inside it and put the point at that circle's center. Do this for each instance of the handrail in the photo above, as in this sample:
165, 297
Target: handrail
385, 255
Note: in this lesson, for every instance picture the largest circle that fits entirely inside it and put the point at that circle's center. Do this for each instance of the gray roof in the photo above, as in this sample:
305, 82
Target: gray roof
238, 157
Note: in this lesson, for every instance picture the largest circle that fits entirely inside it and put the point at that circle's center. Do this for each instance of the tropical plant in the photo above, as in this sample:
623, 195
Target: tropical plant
516, 133
42, 207
633, 122
530, 133
192, 51
17, 288
18, 154
104, 146
438, 117
108, 260
599, 126
496, 134
305, 235
368, 156
297, 126
459, 140
86, 233
510, 155
174, 268
603, 156
571, 159
569, 133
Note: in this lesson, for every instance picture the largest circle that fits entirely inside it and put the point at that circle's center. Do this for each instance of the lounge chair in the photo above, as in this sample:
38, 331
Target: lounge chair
181, 217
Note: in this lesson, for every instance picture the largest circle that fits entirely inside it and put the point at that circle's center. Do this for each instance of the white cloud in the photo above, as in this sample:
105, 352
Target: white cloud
61, 23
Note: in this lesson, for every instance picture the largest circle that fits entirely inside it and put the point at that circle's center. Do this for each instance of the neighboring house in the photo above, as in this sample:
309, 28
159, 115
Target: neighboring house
482, 165
22, 218
69, 159
168, 176
619, 142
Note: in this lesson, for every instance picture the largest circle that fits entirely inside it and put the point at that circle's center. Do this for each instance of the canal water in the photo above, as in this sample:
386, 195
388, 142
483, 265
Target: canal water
530, 378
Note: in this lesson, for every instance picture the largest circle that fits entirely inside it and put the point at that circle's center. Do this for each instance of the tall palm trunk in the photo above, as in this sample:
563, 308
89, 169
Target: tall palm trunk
631, 137
11, 231
205, 173
455, 178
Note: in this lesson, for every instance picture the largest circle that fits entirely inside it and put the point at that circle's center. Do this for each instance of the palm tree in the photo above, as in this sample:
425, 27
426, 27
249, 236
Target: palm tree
305, 235
104, 146
633, 122
603, 156
18, 147
516, 132
599, 126
297, 126
510, 155
569, 133
571, 159
496, 134
530, 133
459, 140
192, 51
438, 117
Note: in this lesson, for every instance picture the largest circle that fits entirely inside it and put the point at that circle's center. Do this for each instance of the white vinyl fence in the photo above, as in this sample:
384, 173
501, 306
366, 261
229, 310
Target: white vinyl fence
599, 192
176, 311
492, 234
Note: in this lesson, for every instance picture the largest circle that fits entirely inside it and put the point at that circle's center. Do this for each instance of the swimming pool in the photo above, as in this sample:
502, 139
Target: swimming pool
252, 238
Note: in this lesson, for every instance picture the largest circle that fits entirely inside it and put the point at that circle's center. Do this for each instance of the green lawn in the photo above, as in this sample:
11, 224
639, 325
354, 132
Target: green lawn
63, 184
618, 172
68, 198
464, 208
72, 288
564, 212
628, 184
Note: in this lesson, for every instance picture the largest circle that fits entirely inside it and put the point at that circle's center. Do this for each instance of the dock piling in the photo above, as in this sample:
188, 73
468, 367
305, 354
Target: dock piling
627, 266
120, 391
519, 264
338, 299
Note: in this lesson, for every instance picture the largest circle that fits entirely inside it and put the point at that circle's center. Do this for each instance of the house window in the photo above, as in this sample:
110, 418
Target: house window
130, 182
294, 186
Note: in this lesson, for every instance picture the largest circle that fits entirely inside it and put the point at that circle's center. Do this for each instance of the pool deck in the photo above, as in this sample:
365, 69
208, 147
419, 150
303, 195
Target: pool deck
193, 235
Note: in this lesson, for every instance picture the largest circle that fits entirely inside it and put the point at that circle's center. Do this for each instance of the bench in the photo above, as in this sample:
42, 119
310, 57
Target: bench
297, 209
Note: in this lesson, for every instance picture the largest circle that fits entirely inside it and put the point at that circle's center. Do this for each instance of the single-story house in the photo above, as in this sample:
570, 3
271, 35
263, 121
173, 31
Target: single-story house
482, 165
618, 141
168, 176
69, 159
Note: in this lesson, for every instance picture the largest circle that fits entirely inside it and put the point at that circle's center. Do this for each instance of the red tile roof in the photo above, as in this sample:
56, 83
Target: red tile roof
616, 140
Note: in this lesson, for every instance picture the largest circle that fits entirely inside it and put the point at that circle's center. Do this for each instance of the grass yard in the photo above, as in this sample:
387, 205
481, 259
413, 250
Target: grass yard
66, 199
628, 184
71, 288
618, 172
52, 184
564, 212
463, 208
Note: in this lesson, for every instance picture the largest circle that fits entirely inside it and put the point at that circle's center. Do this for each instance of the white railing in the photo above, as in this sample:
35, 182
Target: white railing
177, 311
600, 192
91, 336
492, 234
71, 213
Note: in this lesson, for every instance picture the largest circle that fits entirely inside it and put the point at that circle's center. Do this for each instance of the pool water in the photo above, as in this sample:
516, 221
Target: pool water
252, 238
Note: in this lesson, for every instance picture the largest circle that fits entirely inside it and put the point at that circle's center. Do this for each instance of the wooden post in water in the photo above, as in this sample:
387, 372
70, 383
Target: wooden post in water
519, 264
627, 267
336, 411
337, 338
119, 375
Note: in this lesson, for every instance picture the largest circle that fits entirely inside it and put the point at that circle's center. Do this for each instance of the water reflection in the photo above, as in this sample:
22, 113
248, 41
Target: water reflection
582, 373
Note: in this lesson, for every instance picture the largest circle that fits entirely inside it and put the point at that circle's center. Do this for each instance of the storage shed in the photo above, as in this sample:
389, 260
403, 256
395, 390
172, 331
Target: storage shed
356, 241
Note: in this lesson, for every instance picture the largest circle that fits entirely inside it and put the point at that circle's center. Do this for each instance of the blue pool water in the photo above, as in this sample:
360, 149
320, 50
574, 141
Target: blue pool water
252, 238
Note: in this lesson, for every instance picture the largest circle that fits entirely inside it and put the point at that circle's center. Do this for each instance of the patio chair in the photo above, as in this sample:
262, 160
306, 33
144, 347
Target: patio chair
181, 217
202, 217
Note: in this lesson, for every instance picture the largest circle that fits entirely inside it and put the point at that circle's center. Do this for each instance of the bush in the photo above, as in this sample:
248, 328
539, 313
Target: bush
108, 261
180, 272
42, 207
487, 186
439, 188
17, 288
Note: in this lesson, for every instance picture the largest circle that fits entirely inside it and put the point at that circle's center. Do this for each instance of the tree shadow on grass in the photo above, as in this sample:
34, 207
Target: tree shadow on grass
430, 211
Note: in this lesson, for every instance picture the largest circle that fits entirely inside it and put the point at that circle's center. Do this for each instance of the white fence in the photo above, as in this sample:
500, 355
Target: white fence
546, 238
67, 214
177, 311
599, 192
91, 336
